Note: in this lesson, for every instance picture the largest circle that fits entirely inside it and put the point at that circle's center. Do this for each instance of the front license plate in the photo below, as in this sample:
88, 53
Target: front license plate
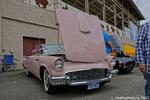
93, 85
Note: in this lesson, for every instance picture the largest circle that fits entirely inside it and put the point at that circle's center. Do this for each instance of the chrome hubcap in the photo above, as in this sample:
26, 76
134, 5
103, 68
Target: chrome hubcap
46, 80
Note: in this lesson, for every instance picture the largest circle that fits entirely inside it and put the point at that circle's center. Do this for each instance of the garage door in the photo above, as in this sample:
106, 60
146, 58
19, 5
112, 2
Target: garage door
30, 43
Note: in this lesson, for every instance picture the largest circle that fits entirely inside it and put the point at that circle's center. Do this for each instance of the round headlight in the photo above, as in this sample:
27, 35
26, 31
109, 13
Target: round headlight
59, 64
119, 62
113, 62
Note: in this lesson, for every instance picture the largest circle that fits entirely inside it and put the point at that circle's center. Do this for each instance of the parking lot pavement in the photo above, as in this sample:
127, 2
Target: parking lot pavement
16, 86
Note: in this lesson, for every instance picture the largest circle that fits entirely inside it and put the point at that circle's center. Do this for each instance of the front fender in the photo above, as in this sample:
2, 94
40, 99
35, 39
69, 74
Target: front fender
48, 63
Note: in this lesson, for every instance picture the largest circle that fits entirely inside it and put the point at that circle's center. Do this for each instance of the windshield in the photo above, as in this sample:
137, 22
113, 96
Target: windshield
53, 49
115, 41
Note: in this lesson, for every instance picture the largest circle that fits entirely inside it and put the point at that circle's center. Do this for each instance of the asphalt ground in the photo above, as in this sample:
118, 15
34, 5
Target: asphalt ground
16, 86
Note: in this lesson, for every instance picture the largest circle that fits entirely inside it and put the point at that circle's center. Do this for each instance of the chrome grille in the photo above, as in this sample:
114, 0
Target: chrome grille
87, 74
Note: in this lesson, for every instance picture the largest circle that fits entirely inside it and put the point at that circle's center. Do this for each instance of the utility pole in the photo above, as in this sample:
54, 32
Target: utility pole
87, 6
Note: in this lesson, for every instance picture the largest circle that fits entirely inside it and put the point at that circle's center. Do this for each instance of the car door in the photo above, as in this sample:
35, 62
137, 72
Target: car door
37, 63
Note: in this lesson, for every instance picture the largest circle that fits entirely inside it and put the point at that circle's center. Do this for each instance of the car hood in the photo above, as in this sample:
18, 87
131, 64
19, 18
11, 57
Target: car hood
81, 34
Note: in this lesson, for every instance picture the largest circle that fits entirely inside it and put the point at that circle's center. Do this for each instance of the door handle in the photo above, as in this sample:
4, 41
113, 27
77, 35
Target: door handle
36, 59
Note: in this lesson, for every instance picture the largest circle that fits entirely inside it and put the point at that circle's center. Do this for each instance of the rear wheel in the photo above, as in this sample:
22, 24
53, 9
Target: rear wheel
47, 86
130, 69
27, 73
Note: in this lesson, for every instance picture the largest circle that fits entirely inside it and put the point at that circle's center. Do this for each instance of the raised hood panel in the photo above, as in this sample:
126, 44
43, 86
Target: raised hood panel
81, 35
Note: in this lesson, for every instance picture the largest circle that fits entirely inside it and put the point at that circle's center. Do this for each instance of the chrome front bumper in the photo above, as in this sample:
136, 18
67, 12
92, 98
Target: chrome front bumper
64, 80
124, 60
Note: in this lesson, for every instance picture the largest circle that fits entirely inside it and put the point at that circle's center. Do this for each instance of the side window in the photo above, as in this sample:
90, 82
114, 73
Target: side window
33, 52
39, 51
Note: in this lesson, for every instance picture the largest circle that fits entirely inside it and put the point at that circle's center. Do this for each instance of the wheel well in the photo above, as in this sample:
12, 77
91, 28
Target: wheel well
23, 64
41, 72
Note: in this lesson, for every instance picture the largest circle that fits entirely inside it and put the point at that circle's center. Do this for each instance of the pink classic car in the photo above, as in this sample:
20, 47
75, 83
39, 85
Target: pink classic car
80, 60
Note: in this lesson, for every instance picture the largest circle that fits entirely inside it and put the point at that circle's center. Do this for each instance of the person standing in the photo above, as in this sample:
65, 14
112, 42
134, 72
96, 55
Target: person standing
143, 55
108, 44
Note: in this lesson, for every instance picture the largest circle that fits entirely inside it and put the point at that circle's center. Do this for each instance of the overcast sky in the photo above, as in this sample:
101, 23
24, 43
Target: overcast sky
144, 6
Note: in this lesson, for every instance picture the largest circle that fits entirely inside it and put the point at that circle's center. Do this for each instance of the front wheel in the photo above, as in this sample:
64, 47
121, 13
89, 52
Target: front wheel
47, 86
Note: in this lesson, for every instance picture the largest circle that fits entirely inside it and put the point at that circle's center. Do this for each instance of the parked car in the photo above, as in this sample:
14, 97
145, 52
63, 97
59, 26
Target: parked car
80, 60
124, 55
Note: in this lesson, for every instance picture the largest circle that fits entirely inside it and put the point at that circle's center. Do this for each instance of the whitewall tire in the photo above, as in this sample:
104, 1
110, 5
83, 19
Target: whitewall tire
47, 86
27, 73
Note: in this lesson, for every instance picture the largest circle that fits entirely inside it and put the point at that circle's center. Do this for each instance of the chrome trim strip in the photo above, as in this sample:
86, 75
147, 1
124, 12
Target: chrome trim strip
108, 79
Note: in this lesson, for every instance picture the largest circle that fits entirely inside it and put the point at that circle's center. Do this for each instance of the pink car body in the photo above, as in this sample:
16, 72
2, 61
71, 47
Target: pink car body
83, 59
